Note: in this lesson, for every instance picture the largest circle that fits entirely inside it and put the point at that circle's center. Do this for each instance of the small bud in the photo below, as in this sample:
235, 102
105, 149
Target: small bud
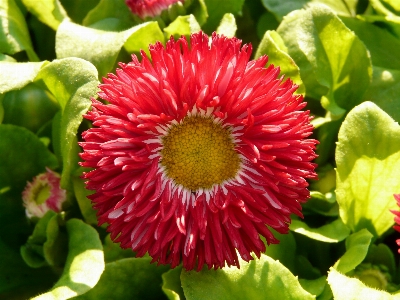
43, 194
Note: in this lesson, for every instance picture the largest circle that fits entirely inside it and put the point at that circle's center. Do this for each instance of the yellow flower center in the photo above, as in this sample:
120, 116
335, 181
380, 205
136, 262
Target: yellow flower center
199, 153
42, 193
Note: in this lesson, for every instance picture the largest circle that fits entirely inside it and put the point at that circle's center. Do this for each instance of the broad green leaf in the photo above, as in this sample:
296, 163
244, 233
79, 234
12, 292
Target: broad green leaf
357, 246
262, 278
273, 46
17, 279
6, 58
113, 251
285, 251
14, 75
346, 288
330, 233
14, 34
323, 204
78, 9
18, 162
85, 205
282, 8
102, 47
105, 9
385, 9
305, 269
56, 245
217, 9
368, 168
143, 37
172, 286
314, 286
129, 278
182, 25
85, 263
32, 251
267, 21
381, 254
394, 5
227, 26
384, 91
339, 80
198, 8
391, 22
327, 137
50, 12
379, 42
326, 179
74, 99
30, 107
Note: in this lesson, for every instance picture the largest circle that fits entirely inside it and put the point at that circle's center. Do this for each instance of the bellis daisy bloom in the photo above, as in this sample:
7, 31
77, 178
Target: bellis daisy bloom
149, 8
198, 153
43, 194
397, 218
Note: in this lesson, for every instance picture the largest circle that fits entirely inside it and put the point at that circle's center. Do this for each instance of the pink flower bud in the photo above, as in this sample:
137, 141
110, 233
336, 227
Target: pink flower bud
43, 194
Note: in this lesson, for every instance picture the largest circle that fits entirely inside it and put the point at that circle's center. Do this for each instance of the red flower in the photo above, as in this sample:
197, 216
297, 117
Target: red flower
149, 8
397, 218
199, 152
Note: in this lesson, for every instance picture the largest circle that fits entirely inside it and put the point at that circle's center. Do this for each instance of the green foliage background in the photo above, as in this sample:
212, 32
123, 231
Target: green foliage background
343, 54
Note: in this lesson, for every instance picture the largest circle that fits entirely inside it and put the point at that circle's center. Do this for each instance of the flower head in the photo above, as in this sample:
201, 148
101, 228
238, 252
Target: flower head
198, 153
43, 194
149, 8
397, 218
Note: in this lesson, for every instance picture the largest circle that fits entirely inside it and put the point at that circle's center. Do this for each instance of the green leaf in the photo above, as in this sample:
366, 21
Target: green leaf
78, 9
282, 8
330, 233
102, 47
129, 278
346, 288
56, 245
339, 79
22, 163
227, 26
74, 99
384, 91
314, 286
198, 8
327, 136
368, 168
49, 12
15, 75
262, 278
182, 25
85, 205
217, 9
105, 9
32, 251
357, 246
6, 58
381, 254
17, 279
379, 42
285, 251
113, 251
143, 37
14, 34
85, 262
172, 286
273, 46
323, 204
383, 9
